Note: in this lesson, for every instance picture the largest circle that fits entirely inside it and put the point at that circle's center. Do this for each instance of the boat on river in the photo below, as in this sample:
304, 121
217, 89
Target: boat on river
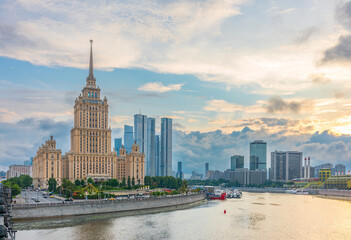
234, 194
218, 195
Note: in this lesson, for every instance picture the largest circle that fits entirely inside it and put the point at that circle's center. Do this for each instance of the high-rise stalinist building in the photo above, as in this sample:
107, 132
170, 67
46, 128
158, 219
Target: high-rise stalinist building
91, 154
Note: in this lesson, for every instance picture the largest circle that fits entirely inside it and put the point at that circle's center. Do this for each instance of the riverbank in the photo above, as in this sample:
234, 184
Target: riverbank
40, 211
344, 195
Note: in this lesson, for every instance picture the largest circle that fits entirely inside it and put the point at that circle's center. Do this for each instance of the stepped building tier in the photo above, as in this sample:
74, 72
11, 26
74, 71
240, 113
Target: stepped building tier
91, 154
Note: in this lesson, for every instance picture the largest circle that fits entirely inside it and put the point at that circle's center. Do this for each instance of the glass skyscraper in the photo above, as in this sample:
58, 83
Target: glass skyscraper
258, 155
140, 132
128, 138
157, 154
207, 167
166, 147
118, 144
236, 162
151, 148
180, 173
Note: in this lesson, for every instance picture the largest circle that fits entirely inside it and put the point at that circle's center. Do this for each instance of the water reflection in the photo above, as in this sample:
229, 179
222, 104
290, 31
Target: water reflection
255, 216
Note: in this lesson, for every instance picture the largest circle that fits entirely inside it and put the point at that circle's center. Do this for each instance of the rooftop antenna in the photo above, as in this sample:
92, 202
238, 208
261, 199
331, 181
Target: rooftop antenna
139, 110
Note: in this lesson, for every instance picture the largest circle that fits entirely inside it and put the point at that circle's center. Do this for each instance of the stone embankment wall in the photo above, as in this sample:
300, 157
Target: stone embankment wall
34, 211
263, 190
332, 192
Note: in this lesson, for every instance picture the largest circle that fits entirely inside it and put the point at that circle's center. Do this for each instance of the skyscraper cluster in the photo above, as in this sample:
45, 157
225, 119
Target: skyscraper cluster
157, 148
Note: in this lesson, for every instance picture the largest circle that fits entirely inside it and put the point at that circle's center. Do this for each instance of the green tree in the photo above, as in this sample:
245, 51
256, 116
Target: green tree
133, 181
25, 181
15, 190
90, 181
123, 184
113, 182
147, 180
82, 183
77, 182
128, 181
52, 184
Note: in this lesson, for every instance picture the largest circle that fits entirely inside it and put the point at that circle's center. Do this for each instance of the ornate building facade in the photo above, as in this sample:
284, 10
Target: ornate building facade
91, 154
47, 164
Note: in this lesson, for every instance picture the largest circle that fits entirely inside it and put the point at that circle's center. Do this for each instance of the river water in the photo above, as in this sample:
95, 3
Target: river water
254, 216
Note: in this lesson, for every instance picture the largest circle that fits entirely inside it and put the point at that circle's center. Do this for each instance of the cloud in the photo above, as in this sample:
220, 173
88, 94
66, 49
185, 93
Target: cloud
341, 52
343, 14
205, 39
278, 105
159, 87
20, 140
305, 35
194, 149
218, 105
319, 78
286, 11
339, 94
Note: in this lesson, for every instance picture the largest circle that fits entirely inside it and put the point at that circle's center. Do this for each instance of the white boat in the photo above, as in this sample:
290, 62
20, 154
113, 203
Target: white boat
301, 192
292, 191
234, 194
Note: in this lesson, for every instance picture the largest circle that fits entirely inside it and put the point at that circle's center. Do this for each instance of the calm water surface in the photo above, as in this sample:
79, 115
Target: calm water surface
255, 216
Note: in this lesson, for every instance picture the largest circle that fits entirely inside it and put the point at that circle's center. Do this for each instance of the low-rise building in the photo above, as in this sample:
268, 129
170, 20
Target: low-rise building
338, 182
324, 174
18, 170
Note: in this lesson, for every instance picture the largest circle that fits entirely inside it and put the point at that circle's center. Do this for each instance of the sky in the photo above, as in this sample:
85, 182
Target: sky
227, 72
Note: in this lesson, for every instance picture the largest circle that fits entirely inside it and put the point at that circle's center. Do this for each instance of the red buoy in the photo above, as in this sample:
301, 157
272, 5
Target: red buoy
225, 211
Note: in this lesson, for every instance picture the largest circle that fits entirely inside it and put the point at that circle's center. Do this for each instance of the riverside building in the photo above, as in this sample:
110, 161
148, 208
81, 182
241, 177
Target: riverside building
90, 154
236, 162
286, 166
258, 155
166, 147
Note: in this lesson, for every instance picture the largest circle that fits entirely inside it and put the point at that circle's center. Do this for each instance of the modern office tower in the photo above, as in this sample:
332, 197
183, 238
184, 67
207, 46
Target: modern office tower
166, 147
157, 154
128, 138
236, 162
151, 148
180, 173
140, 132
286, 166
322, 166
207, 167
339, 170
258, 155
118, 145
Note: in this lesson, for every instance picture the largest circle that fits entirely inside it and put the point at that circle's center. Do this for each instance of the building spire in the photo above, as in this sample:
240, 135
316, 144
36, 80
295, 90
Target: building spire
91, 69
91, 79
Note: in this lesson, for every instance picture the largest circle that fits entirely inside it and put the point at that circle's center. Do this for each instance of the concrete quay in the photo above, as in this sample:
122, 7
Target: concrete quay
52, 210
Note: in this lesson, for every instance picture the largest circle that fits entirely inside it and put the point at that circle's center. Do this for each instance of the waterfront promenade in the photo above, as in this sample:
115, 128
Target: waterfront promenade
76, 208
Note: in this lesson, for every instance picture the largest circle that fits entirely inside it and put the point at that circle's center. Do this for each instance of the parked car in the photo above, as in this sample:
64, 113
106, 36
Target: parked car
68, 200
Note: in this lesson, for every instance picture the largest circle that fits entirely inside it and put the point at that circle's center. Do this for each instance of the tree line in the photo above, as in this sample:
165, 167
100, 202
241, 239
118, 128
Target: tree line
17, 183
